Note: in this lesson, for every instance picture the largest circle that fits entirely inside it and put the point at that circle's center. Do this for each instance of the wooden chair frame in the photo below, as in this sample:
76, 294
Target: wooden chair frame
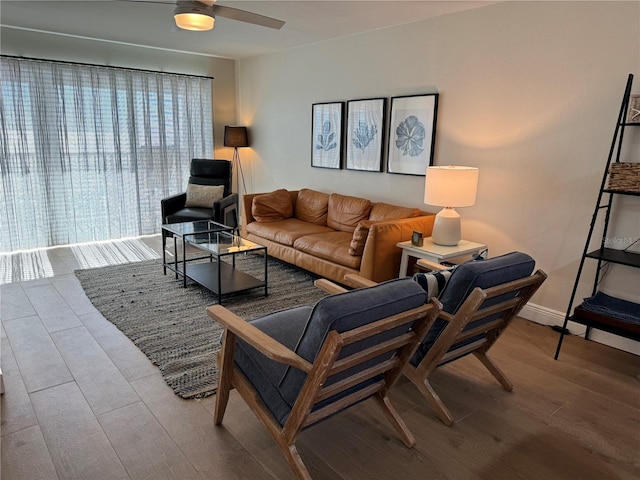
453, 333
325, 365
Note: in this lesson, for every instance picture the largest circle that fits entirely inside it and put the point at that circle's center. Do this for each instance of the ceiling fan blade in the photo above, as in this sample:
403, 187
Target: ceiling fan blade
247, 17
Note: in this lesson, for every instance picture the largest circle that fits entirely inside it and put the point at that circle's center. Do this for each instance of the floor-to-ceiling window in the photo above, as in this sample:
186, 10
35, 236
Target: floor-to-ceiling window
87, 152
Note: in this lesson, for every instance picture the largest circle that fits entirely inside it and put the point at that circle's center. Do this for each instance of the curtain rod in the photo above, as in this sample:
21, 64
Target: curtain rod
104, 66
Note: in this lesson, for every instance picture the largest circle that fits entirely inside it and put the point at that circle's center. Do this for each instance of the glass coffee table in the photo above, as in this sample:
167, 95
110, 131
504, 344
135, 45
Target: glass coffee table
216, 241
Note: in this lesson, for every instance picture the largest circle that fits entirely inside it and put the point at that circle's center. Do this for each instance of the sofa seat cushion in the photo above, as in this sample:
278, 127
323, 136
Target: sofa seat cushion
312, 206
386, 211
346, 212
285, 232
332, 246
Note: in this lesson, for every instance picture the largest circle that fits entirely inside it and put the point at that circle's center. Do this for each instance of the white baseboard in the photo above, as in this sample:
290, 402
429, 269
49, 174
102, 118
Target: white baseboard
548, 316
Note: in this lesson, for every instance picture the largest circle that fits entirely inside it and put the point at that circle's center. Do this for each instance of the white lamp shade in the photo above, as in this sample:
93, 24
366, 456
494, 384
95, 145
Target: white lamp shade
451, 186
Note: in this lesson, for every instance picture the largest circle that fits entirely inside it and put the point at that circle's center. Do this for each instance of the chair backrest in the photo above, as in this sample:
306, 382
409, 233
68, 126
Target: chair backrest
479, 300
211, 172
369, 333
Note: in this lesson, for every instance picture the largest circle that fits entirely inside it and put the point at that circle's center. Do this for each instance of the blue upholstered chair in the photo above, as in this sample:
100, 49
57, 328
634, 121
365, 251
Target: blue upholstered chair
479, 300
296, 367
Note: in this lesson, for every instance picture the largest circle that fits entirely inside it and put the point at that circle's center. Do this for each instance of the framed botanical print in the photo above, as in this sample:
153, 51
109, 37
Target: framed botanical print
365, 134
326, 135
412, 133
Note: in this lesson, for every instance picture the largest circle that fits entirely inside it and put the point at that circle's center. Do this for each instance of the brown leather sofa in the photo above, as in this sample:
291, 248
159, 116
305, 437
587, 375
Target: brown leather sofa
332, 235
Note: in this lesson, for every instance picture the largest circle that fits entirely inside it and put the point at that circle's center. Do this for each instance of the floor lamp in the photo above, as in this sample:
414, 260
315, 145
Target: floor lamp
236, 137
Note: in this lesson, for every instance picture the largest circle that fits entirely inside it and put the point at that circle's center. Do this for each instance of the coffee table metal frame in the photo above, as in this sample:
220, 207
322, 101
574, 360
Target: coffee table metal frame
217, 241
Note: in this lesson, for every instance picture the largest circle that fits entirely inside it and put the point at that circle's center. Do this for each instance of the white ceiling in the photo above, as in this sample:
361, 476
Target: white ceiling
152, 25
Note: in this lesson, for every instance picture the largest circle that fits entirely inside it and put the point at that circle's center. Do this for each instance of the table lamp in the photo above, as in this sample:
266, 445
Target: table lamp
236, 137
449, 186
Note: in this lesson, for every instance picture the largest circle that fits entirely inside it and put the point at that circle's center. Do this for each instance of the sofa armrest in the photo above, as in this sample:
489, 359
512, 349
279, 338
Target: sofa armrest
381, 257
171, 205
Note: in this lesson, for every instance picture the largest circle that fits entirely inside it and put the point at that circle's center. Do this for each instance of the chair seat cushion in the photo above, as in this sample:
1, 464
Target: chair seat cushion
190, 215
286, 327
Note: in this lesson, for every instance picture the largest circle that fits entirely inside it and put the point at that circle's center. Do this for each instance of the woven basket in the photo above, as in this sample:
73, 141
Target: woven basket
624, 177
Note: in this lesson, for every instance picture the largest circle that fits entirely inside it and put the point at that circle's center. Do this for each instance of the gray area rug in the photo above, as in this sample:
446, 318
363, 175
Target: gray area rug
169, 323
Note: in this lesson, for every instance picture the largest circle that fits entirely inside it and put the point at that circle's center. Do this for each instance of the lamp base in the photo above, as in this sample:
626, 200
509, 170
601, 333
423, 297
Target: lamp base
446, 228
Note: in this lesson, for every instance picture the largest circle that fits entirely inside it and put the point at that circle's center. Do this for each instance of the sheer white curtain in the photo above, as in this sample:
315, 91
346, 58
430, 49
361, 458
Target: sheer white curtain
87, 153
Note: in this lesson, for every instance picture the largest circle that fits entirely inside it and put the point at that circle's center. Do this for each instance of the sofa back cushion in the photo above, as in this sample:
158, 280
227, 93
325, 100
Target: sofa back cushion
312, 206
272, 207
346, 212
386, 211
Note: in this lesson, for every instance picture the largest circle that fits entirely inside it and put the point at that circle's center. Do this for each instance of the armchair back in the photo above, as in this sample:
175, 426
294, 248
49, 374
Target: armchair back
212, 172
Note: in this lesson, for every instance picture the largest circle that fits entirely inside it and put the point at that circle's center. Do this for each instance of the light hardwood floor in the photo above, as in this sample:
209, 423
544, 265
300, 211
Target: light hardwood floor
82, 402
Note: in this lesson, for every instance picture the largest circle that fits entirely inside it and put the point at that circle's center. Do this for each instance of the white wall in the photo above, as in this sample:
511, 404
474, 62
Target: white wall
56, 47
529, 93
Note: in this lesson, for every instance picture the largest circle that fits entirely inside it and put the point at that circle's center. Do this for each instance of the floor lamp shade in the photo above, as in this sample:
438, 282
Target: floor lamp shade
235, 137
449, 187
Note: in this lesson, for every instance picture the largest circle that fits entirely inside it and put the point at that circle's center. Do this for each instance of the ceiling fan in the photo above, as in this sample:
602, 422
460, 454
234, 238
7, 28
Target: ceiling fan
200, 15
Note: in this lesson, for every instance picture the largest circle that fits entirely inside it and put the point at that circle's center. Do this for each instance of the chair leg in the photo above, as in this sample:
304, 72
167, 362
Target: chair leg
295, 462
396, 421
225, 363
430, 395
495, 371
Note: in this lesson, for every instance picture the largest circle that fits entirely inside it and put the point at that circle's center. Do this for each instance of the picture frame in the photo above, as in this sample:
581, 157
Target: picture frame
327, 134
412, 133
366, 120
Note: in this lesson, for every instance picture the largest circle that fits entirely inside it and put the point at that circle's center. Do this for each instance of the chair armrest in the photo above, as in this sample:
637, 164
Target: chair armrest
171, 205
328, 286
423, 262
226, 201
357, 281
259, 340
220, 207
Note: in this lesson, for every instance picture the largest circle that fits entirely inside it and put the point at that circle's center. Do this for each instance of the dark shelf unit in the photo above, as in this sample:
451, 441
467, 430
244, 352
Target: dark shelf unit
603, 255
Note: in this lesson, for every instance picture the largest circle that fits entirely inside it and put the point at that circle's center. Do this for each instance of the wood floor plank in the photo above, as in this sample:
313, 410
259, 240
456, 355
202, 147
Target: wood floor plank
79, 448
25, 456
17, 412
144, 448
51, 307
212, 450
40, 363
100, 381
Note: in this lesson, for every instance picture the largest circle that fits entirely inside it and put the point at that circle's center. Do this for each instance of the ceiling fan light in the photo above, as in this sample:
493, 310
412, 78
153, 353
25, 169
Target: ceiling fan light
193, 17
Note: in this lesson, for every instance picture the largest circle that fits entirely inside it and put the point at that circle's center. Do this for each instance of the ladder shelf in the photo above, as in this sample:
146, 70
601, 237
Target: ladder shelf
626, 322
